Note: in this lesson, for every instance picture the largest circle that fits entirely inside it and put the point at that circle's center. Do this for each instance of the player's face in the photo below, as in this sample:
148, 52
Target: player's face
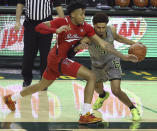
100, 29
78, 16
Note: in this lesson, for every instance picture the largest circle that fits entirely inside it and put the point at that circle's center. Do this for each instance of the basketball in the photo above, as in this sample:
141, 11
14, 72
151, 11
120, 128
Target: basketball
154, 3
138, 50
122, 3
140, 3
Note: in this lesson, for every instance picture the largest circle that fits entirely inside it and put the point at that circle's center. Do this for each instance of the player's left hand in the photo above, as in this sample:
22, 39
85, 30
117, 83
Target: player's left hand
81, 46
63, 28
131, 57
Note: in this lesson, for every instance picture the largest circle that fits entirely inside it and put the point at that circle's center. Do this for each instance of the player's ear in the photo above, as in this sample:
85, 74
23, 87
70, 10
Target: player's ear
72, 14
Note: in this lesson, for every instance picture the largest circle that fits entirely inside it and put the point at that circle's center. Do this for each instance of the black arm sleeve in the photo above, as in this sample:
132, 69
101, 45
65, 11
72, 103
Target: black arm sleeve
71, 52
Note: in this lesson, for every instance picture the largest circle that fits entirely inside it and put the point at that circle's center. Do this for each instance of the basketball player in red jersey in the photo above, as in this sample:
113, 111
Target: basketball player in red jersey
70, 30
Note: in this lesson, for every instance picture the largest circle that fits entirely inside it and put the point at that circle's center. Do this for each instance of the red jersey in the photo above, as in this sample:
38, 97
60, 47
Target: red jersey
65, 40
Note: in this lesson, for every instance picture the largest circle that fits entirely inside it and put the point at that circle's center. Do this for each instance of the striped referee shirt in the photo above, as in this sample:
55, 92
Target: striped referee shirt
38, 9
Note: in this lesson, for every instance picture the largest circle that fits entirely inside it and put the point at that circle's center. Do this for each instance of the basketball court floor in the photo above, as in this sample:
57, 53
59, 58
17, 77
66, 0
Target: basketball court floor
59, 107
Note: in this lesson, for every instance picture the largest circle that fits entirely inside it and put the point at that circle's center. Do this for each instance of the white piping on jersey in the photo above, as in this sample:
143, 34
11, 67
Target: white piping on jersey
66, 19
57, 41
70, 40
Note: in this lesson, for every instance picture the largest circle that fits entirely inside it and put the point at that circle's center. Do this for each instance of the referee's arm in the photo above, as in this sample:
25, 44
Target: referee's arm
19, 10
59, 8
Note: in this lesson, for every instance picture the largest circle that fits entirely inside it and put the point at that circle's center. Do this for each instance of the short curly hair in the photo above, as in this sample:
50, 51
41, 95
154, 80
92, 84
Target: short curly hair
100, 18
77, 4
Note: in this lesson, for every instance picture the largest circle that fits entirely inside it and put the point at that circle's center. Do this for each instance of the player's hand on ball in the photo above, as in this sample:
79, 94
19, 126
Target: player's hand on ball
138, 50
131, 57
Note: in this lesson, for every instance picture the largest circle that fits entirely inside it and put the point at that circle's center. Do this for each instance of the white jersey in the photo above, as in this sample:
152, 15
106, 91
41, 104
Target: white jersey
97, 54
106, 66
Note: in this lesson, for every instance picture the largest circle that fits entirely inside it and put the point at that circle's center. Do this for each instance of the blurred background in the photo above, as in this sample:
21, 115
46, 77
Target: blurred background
94, 3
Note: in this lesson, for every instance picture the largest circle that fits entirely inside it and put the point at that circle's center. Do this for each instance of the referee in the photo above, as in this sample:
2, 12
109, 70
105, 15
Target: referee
36, 11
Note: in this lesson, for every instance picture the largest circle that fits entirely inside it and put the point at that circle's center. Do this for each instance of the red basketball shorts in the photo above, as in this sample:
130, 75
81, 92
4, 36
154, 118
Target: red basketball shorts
57, 66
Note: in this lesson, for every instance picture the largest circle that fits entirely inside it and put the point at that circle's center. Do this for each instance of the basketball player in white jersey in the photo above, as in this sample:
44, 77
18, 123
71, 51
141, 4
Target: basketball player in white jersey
105, 65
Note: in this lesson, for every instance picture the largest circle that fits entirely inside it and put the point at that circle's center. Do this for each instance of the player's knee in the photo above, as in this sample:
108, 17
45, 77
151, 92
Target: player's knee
92, 76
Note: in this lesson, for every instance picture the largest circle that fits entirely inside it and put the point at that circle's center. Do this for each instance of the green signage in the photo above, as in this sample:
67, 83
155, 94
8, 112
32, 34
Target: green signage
139, 29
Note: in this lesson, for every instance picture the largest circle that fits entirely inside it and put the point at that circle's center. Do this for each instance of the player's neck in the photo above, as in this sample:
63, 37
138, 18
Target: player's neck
73, 22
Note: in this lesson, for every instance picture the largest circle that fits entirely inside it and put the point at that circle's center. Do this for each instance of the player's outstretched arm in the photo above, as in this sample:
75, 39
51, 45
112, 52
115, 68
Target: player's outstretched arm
109, 48
83, 44
85, 40
122, 39
80, 45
